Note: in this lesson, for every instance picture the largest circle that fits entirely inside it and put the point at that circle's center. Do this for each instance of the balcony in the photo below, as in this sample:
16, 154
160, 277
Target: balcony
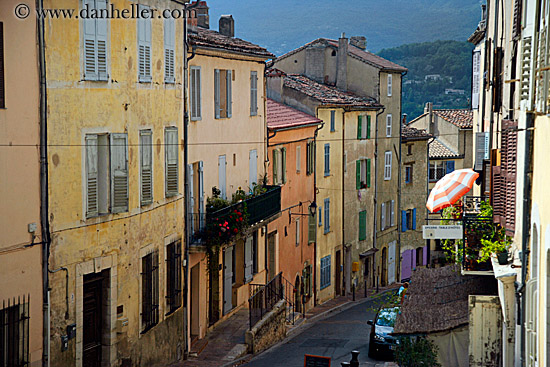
475, 228
197, 232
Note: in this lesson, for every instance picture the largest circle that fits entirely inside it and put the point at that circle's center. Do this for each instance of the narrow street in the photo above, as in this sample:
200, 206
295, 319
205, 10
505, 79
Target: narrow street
335, 337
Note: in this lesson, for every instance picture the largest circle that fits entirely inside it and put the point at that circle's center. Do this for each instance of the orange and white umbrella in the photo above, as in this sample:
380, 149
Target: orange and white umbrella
450, 188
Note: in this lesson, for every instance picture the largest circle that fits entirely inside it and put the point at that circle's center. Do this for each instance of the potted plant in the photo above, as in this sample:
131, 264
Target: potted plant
497, 244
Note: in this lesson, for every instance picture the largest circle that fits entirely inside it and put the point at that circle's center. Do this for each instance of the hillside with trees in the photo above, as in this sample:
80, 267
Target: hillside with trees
439, 72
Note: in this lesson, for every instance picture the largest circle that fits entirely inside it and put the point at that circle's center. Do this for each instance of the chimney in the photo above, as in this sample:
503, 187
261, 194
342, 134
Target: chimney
483, 12
342, 63
359, 42
201, 12
429, 110
227, 26
404, 121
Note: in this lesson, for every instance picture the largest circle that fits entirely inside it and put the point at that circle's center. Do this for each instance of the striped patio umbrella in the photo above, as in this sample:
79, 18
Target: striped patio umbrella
450, 188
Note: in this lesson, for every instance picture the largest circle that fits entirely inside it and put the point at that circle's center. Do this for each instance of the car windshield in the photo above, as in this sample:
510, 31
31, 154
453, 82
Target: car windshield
386, 316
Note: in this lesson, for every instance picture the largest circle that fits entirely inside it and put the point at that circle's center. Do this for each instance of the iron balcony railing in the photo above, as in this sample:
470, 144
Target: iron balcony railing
197, 230
475, 228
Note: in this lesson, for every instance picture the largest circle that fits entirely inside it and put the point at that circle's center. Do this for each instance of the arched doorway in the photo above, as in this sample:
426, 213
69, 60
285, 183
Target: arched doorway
297, 294
384, 275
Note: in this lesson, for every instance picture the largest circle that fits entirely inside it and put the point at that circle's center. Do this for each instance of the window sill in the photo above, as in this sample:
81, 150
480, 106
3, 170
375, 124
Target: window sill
195, 118
327, 232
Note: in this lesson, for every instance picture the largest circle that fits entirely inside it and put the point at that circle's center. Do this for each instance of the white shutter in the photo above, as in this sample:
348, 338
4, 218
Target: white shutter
146, 153
248, 259
90, 52
169, 50
390, 77
171, 160
101, 39
388, 125
91, 176
229, 98
191, 197
119, 173
275, 167
253, 168
298, 232
392, 222
253, 93
476, 63
221, 175
201, 195
383, 219
217, 107
195, 84
298, 158
144, 47
391, 262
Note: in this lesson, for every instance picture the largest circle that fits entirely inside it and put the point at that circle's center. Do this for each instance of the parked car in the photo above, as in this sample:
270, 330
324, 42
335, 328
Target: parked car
381, 343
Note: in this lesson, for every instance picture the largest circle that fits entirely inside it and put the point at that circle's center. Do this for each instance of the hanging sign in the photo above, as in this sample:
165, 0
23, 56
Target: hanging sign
442, 232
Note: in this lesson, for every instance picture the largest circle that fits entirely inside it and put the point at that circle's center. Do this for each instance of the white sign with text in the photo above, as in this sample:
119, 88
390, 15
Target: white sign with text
442, 232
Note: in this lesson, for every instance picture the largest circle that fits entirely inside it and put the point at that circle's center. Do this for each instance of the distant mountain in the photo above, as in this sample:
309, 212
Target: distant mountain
283, 25
439, 72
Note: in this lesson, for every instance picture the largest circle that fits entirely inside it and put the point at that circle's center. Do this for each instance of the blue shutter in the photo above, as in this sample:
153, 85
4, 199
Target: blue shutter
404, 221
450, 166
101, 38
327, 159
332, 120
327, 215
320, 217
414, 219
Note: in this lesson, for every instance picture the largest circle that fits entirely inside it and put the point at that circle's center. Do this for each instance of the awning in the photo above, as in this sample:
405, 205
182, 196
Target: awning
369, 252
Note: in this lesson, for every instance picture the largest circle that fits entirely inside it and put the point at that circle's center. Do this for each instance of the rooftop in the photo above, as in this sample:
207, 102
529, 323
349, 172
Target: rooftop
437, 300
355, 52
280, 116
202, 37
409, 133
461, 118
328, 95
438, 149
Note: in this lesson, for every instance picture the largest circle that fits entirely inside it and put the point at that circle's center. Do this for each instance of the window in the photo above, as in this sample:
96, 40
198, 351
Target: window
327, 159
362, 177
253, 93
387, 215
408, 220
149, 291
438, 169
363, 127
173, 276
325, 272
362, 225
297, 231
14, 333
387, 165
144, 45
195, 95
310, 157
250, 257
327, 216
409, 149
146, 166
106, 174
409, 173
222, 93
171, 161
169, 50
95, 42
279, 166
388, 125
332, 121
2, 84
298, 158
390, 77
419, 256
312, 229
306, 281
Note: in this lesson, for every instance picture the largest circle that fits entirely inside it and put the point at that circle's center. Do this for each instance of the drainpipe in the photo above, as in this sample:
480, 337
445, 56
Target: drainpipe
400, 167
44, 205
492, 112
315, 201
344, 254
375, 221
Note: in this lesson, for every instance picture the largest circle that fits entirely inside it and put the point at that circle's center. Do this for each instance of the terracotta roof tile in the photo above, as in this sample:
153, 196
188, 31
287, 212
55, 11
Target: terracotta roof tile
209, 38
353, 51
327, 95
280, 116
439, 150
412, 133
461, 118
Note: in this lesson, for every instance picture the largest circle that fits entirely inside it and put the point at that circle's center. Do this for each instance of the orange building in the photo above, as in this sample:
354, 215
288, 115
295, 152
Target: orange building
291, 238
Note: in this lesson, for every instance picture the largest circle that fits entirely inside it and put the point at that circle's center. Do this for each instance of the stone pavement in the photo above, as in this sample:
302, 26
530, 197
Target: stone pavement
225, 345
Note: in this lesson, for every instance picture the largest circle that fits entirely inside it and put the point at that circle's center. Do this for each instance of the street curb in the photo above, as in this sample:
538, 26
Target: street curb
307, 323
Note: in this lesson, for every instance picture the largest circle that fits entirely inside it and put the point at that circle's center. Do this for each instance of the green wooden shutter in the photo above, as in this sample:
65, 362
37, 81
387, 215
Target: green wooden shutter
368, 126
217, 107
363, 225
119, 173
358, 174
275, 168
91, 176
359, 126
312, 229
368, 172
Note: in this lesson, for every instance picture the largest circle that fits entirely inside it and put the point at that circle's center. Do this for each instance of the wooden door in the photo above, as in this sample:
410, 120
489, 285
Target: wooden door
271, 256
227, 280
92, 315
338, 272
384, 275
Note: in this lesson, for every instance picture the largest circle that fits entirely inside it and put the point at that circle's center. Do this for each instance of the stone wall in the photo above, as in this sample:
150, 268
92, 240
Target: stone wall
268, 330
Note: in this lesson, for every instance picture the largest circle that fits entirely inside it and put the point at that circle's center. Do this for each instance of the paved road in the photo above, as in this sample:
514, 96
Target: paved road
334, 337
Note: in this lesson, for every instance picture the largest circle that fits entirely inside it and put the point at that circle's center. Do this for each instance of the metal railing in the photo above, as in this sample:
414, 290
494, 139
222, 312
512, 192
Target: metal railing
474, 229
291, 302
471, 205
14, 332
264, 298
197, 231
